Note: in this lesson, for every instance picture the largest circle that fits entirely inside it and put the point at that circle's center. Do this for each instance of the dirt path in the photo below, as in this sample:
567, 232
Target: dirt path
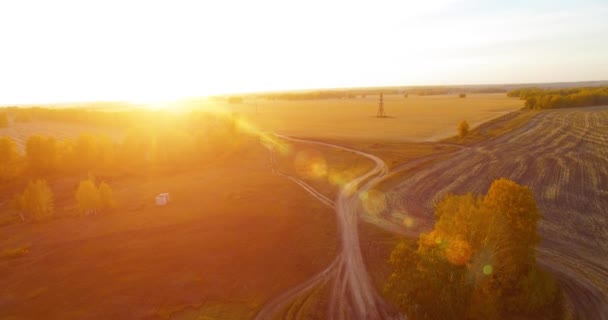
561, 154
352, 294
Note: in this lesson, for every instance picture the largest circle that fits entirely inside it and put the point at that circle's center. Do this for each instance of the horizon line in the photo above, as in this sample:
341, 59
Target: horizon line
299, 90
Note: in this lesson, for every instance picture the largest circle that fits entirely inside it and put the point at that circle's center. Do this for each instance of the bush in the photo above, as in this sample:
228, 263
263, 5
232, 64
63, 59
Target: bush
87, 197
35, 201
9, 158
106, 196
537, 98
463, 129
462, 95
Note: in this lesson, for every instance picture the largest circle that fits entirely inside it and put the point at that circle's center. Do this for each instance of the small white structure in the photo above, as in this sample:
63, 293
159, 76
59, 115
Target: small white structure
162, 199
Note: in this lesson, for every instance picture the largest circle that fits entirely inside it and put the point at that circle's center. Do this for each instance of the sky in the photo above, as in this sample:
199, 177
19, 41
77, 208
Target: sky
129, 50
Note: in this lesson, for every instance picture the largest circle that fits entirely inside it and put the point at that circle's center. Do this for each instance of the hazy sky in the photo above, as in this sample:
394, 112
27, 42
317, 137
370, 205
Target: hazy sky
52, 51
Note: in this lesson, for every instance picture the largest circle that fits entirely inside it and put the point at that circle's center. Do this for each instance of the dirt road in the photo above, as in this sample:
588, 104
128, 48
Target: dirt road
563, 156
352, 294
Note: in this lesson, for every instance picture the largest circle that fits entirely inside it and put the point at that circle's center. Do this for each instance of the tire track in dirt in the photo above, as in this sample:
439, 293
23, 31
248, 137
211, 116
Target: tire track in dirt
561, 155
352, 295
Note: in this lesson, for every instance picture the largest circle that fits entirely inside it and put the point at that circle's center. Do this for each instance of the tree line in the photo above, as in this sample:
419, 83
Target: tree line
479, 261
537, 98
37, 203
171, 143
190, 140
91, 114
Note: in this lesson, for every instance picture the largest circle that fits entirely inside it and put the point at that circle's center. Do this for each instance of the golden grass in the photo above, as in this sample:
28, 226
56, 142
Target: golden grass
234, 234
21, 131
8, 254
416, 118
495, 127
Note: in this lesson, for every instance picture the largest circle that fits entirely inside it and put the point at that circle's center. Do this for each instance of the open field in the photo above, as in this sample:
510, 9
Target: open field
562, 156
21, 131
416, 118
234, 236
295, 264
325, 169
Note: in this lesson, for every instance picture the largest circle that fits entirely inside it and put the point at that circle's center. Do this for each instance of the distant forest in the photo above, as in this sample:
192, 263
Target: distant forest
537, 98
362, 93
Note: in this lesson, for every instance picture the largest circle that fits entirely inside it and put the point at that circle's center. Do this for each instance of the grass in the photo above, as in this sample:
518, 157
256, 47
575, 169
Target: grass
311, 305
233, 234
495, 127
416, 118
341, 166
213, 311
394, 153
376, 247
21, 131
9, 254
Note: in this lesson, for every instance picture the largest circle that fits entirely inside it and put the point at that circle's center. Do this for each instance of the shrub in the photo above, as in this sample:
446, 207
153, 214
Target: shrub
106, 196
463, 129
36, 200
88, 197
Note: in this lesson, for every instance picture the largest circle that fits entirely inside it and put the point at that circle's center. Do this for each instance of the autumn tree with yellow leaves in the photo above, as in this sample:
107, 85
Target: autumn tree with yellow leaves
478, 262
92, 199
36, 201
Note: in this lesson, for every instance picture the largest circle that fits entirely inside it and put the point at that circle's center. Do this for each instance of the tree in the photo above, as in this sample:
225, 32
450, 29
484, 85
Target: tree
106, 196
88, 198
36, 200
3, 120
537, 98
107, 151
478, 262
463, 129
42, 154
9, 158
86, 151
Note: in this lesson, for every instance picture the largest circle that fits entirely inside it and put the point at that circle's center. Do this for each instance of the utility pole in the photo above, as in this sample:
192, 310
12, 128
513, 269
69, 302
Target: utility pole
381, 113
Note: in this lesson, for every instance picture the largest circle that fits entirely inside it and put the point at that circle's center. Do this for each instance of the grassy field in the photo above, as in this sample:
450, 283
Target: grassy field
416, 118
21, 131
234, 236
561, 156
325, 168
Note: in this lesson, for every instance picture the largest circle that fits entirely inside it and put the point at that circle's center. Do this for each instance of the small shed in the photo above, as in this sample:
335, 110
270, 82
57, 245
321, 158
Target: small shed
163, 199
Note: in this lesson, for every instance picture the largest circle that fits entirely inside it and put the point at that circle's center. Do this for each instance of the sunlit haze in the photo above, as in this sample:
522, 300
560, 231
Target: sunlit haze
61, 51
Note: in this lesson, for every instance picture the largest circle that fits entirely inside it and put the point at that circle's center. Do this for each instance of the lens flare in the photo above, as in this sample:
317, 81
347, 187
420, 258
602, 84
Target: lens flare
409, 222
310, 163
373, 201
487, 269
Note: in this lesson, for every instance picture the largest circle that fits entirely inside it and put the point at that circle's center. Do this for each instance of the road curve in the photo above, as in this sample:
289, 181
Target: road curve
352, 294
561, 154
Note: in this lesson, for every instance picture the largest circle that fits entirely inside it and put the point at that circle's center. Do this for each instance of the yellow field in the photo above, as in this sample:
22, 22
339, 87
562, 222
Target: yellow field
416, 118
21, 131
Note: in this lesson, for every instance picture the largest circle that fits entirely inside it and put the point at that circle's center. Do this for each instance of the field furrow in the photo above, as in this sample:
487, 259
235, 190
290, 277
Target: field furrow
562, 156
